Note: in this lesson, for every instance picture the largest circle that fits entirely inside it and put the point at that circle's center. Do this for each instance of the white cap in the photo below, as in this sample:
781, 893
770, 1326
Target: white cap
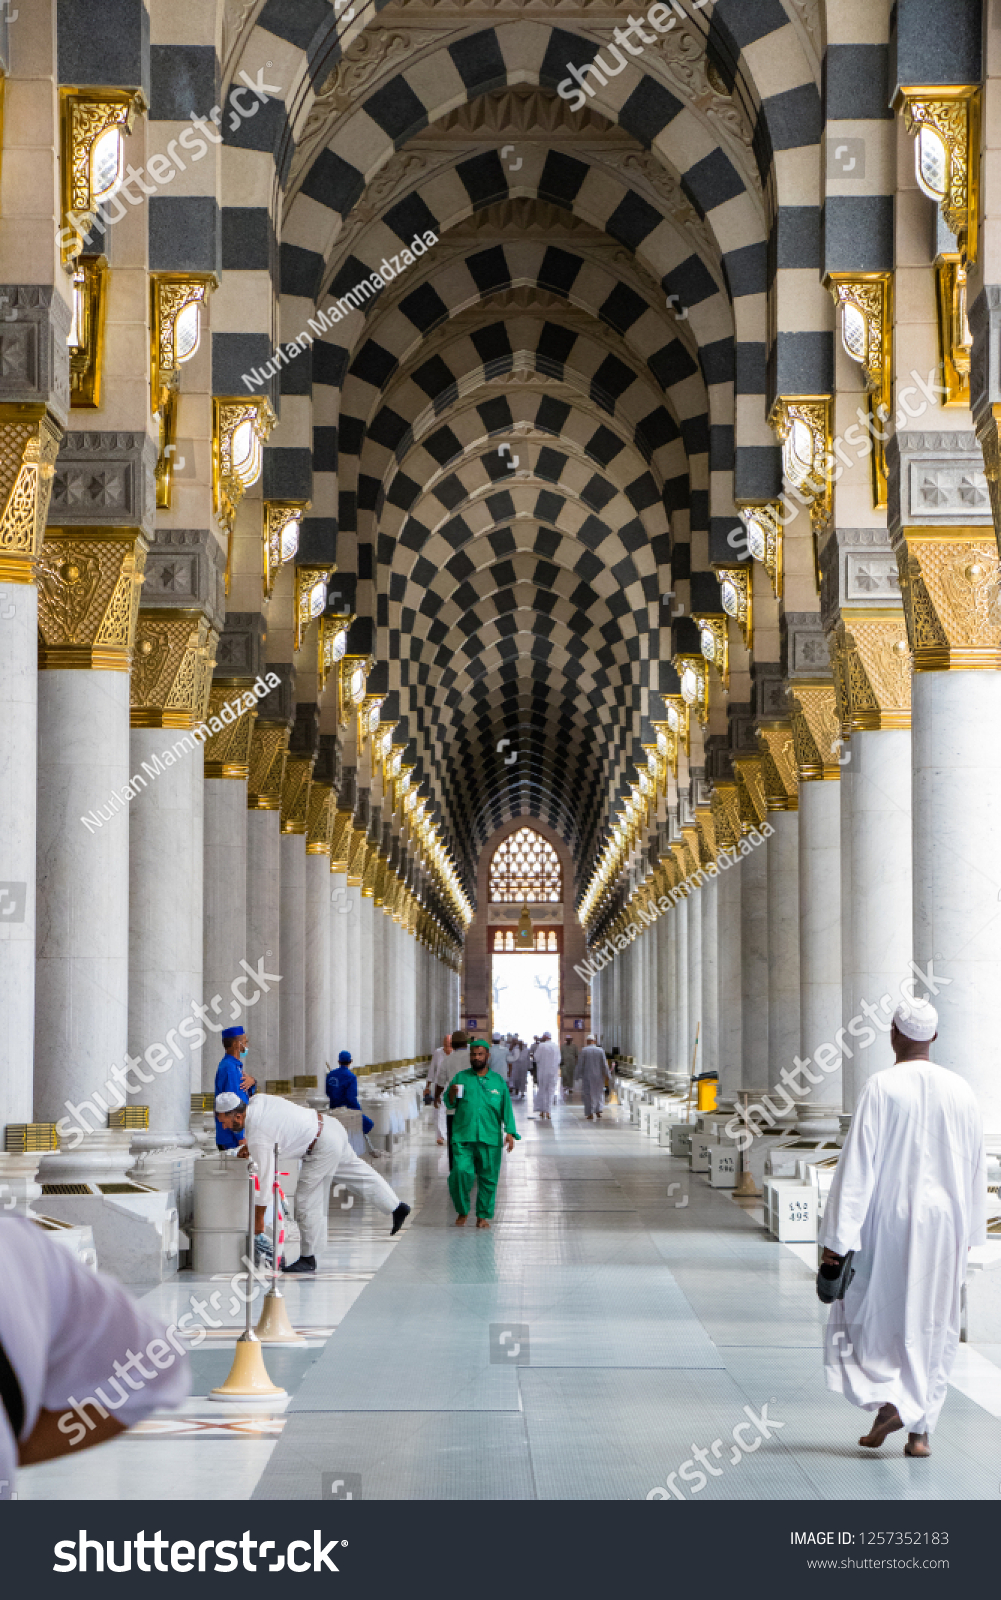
917, 1019
496, 1038
227, 1102
590, 1038
547, 1034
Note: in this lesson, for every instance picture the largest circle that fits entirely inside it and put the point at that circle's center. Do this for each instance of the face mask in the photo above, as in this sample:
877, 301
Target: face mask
243, 1052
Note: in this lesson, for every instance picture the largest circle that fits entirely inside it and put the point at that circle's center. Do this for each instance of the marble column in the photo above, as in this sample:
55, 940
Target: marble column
319, 916
340, 924
710, 976
268, 754
782, 865
754, 970
684, 1033
296, 786
695, 979
89, 580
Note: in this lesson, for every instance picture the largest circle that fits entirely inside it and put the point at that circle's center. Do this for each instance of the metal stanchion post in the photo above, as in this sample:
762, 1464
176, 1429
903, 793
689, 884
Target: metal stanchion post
248, 1377
744, 1188
274, 1326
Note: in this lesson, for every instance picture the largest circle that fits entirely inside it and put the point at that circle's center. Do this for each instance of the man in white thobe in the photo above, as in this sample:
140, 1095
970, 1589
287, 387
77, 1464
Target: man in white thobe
519, 1069
592, 1075
547, 1075
439, 1078
323, 1147
498, 1059
910, 1198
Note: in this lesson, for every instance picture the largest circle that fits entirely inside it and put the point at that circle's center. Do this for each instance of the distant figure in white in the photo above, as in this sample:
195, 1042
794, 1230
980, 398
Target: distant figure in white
519, 1069
547, 1074
910, 1198
592, 1075
440, 1076
499, 1058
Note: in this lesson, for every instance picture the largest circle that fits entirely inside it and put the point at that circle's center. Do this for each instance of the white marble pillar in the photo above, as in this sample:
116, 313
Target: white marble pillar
956, 755
165, 944
729, 919
380, 1008
224, 917
18, 767
366, 984
669, 988
263, 940
695, 979
353, 963
754, 970
81, 979
881, 902
319, 914
782, 859
685, 1033
710, 976
847, 930
340, 923
292, 943
820, 947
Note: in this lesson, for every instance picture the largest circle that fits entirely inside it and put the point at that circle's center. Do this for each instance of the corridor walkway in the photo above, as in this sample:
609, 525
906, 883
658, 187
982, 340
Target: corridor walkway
653, 1315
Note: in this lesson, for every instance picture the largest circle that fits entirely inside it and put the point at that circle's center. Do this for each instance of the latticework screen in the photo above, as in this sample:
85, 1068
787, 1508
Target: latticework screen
526, 870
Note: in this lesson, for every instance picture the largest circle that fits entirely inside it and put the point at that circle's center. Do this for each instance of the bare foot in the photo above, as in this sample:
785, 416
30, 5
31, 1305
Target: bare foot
441, 1141
917, 1445
460, 1222
887, 1421
481, 1222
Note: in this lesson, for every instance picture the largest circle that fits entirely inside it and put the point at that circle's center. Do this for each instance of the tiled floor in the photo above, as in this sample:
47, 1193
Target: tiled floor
653, 1315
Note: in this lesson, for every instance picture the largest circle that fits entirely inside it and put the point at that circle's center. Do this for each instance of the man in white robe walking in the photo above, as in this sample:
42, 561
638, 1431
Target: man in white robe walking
592, 1074
909, 1197
439, 1078
547, 1075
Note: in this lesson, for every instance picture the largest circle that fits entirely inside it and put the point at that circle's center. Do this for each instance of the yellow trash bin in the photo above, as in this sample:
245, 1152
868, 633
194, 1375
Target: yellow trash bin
706, 1088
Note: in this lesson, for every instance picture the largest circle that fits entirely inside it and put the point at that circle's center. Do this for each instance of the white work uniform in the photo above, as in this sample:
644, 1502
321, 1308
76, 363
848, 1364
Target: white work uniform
63, 1328
440, 1076
909, 1196
272, 1120
592, 1074
547, 1074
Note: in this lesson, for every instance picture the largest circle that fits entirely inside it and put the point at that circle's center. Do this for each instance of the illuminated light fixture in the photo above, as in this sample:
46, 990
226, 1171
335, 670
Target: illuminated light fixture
369, 715
945, 122
667, 748
177, 300
94, 126
353, 674
803, 425
865, 307
282, 525
89, 278
239, 430
715, 644
311, 582
678, 719
955, 340
694, 675
331, 644
736, 593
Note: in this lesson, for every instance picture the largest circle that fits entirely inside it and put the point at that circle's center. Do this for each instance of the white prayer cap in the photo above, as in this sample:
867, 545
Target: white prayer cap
590, 1038
547, 1034
227, 1102
917, 1019
496, 1038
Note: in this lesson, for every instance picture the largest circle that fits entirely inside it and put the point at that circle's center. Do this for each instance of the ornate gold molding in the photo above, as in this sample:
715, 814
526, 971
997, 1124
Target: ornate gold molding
29, 443
737, 594
240, 427
803, 425
955, 341
816, 731
871, 658
310, 597
778, 766
86, 339
751, 797
865, 303
358, 858
988, 425
693, 672
946, 126
340, 840
764, 541
227, 753
950, 583
89, 581
268, 751
705, 821
715, 643
319, 819
331, 644
297, 781
280, 540
725, 804
87, 118
352, 675
172, 659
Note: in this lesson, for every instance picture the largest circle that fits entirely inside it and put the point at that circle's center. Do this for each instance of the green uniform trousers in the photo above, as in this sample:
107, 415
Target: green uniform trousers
479, 1163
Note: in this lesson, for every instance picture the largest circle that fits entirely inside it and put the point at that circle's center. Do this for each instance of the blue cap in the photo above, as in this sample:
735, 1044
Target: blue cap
344, 1058
232, 1033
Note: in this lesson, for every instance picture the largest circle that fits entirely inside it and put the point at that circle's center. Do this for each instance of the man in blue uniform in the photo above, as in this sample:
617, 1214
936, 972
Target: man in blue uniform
232, 1077
342, 1089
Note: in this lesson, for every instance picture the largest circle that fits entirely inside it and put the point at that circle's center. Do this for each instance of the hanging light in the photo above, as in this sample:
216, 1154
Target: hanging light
931, 163
107, 163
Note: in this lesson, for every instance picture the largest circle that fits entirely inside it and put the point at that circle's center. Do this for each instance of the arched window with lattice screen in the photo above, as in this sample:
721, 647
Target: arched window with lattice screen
525, 869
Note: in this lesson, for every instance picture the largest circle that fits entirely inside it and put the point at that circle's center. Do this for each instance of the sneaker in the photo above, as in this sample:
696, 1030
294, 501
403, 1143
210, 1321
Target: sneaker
304, 1264
400, 1216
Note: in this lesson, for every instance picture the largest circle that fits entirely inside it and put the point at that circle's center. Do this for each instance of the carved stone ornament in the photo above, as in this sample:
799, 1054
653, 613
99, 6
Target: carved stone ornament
268, 747
816, 731
341, 840
778, 766
752, 800
296, 783
29, 444
227, 752
705, 821
951, 588
171, 668
89, 580
319, 819
871, 660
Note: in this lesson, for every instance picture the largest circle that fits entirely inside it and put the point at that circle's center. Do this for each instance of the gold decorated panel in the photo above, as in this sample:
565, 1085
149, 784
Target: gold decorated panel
872, 668
341, 840
319, 819
816, 731
950, 584
296, 783
268, 750
29, 444
227, 750
778, 766
172, 655
752, 800
89, 581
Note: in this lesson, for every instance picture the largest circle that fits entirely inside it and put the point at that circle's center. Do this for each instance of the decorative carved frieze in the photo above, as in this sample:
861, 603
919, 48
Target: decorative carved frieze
227, 753
89, 581
951, 588
105, 478
34, 354
816, 730
778, 766
752, 800
268, 750
171, 668
29, 444
296, 783
937, 477
185, 567
871, 660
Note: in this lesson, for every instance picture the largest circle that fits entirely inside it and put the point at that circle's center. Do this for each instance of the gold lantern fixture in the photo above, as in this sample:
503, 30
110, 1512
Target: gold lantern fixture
331, 643
282, 526
310, 597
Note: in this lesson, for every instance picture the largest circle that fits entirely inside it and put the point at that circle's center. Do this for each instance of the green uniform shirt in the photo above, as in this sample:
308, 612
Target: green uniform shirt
484, 1113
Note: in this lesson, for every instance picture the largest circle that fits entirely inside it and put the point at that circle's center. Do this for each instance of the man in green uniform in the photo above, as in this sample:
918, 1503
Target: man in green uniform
483, 1126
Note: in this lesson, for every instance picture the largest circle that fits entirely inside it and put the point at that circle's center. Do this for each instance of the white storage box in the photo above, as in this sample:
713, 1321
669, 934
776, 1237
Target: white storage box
680, 1136
702, 1143
724, 1164
790, 1211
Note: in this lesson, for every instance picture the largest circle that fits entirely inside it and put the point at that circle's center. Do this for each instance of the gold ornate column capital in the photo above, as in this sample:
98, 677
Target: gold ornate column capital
778, 766
358, 858
227, 750
268, 753
340, 839
705, 821
89, 581
319, 819
950, 583
297, 781
171, 668
29, 443
751, 797
871, 658
725, 804
816, 730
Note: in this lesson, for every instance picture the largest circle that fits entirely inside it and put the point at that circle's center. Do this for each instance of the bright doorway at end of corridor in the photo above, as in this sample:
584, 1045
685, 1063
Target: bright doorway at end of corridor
526, 993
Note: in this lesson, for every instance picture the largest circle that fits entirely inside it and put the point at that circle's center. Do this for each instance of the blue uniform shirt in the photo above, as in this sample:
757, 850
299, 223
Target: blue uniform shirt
342, 1090
227, 1081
